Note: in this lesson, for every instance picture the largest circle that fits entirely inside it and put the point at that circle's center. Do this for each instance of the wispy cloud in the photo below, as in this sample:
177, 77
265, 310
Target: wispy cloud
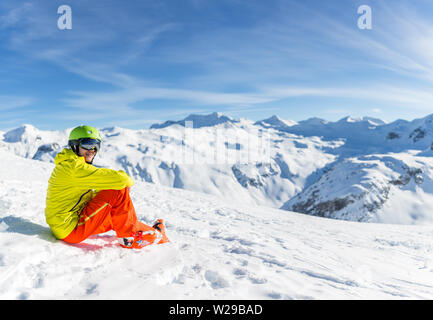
8, 102
121, 100
401, 40
13, 15
421, 99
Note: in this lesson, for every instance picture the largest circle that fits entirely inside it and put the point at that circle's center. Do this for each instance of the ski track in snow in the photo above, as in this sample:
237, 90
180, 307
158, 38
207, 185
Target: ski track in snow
219, 250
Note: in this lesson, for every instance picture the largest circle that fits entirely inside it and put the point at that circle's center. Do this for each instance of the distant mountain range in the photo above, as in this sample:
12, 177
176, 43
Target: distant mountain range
354, 169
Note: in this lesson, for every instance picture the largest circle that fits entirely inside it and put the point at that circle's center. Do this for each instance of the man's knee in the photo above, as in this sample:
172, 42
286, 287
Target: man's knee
113, 196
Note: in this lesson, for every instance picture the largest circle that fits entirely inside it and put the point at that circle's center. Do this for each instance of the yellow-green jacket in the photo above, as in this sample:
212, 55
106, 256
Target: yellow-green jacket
72, 184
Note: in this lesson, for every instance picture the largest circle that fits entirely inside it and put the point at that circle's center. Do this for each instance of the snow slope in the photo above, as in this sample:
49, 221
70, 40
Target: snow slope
219, 250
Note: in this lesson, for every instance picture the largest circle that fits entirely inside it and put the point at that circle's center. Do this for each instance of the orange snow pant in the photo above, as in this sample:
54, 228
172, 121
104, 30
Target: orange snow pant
109, 210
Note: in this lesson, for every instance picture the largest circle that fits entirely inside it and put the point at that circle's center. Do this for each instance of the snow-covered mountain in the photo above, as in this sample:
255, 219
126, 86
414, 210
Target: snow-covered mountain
275, 122
30, 142
198, 121
218, 250
391, 188
353, 169
367, 135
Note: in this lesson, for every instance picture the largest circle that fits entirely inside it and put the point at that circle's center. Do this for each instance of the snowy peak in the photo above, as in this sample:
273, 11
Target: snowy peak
25, 133
367, 120
30, 142
209, 120
275, 122
418, 132
198, 121
346, 121
314, 121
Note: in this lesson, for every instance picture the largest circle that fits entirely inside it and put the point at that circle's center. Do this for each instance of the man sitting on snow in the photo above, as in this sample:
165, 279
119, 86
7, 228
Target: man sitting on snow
83, 200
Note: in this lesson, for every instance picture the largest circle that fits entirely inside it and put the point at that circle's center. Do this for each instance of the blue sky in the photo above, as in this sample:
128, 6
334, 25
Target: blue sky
133, 63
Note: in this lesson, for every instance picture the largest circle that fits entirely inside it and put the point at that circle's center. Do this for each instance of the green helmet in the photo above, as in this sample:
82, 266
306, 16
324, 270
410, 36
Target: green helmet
84, 136
84, 132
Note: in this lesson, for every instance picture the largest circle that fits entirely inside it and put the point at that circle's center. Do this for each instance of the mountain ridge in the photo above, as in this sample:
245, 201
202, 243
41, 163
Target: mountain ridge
270, 162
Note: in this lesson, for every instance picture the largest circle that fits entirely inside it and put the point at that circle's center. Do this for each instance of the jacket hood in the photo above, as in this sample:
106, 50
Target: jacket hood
65, 155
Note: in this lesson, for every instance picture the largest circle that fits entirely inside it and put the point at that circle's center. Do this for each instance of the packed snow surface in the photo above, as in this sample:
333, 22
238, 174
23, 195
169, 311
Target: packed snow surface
218, 250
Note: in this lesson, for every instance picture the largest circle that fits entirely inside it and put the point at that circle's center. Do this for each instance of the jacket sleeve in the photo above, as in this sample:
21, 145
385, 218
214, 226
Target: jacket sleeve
90, 177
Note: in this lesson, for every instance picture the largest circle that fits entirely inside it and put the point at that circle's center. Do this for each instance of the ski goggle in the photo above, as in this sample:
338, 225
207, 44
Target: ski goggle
90, 144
